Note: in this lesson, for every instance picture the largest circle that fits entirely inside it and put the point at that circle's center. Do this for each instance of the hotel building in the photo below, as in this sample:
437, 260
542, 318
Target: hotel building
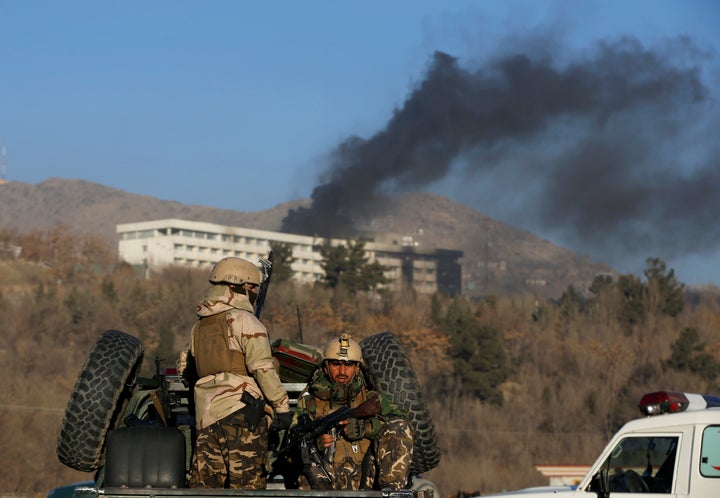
154, 245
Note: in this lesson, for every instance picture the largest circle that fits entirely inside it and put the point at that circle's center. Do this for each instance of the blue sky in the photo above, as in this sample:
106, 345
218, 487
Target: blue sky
237, 104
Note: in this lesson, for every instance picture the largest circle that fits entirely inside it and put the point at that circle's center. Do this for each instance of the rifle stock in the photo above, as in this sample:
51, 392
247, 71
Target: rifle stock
366, 409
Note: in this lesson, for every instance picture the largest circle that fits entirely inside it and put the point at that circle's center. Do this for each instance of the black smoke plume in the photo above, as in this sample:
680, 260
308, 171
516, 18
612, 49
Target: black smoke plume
614, 152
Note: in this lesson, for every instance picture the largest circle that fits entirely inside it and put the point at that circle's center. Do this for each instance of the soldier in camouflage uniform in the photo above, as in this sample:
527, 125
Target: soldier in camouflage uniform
231, 354
371, 453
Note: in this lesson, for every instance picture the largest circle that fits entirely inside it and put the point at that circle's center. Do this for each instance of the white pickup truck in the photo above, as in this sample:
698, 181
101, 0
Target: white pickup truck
673, 451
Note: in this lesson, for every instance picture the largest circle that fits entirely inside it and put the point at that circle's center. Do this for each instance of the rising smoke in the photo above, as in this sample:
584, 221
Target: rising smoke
614, 152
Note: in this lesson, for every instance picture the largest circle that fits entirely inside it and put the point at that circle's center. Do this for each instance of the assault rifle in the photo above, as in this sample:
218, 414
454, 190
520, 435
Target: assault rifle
267, 265
302, 436
308, 430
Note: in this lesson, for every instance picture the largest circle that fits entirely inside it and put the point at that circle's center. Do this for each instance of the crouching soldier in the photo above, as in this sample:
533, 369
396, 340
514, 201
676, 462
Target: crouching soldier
361, 453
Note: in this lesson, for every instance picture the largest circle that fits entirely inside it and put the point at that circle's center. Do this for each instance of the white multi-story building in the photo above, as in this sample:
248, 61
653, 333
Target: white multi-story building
161, 243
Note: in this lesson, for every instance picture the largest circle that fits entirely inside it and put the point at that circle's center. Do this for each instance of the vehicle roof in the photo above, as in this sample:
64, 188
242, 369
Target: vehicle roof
708, 416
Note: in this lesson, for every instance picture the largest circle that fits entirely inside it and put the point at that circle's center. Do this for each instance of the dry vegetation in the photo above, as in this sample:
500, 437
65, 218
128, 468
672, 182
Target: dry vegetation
577, 371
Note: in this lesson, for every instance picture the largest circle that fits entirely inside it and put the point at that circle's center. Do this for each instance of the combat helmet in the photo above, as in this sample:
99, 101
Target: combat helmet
235, 271
343, 349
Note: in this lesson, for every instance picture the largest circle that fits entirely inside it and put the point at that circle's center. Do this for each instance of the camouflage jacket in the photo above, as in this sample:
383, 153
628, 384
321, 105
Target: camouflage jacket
322, 397
218, 395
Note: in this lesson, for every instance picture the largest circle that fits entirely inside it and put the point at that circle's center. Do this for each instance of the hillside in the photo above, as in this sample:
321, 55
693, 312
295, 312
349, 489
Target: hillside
93, 208
575, 371
499, 258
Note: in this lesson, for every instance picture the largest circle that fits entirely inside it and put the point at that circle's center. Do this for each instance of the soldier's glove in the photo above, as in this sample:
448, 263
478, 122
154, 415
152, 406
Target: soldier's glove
354, 429
282, 421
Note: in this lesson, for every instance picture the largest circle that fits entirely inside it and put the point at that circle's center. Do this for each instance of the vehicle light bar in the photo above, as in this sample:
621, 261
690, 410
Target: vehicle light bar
673, 402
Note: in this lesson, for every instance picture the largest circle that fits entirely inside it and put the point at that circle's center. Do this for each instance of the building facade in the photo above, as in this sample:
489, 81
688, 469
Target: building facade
157, 244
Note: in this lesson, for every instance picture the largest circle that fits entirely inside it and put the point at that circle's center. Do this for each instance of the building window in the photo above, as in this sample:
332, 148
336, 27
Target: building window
143, 234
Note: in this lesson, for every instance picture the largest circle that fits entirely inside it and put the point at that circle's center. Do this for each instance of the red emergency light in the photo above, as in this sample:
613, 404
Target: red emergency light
673, 402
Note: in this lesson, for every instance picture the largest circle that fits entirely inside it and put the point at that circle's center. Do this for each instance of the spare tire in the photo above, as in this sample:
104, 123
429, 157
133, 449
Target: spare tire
392, 374
94, 404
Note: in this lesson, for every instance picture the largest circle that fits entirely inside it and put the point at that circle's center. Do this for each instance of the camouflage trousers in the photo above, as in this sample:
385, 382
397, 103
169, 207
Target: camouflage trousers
228, 455
386, 465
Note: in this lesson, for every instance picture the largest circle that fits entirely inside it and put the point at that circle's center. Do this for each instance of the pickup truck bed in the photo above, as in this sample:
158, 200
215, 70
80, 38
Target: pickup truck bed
91, 492
136, 433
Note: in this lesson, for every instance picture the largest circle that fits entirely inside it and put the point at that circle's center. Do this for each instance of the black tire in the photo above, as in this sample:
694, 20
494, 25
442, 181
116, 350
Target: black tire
392, 374
94, 404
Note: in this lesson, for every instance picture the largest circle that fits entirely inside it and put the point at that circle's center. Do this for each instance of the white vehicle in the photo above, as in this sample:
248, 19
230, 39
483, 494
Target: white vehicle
673, 451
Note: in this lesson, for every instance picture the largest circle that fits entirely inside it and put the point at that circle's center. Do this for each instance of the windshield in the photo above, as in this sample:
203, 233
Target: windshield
644, 464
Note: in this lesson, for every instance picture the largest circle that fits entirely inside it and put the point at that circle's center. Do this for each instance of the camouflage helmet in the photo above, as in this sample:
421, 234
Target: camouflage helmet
235, 271
343, 349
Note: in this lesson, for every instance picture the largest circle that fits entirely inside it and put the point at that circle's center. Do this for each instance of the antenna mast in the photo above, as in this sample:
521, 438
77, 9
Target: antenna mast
3, 165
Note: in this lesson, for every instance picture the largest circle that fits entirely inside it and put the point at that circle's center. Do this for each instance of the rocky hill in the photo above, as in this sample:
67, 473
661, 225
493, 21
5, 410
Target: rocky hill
499, 258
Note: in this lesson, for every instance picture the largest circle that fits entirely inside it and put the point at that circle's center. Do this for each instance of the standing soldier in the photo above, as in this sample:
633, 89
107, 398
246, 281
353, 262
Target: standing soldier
369, 453
231, 353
